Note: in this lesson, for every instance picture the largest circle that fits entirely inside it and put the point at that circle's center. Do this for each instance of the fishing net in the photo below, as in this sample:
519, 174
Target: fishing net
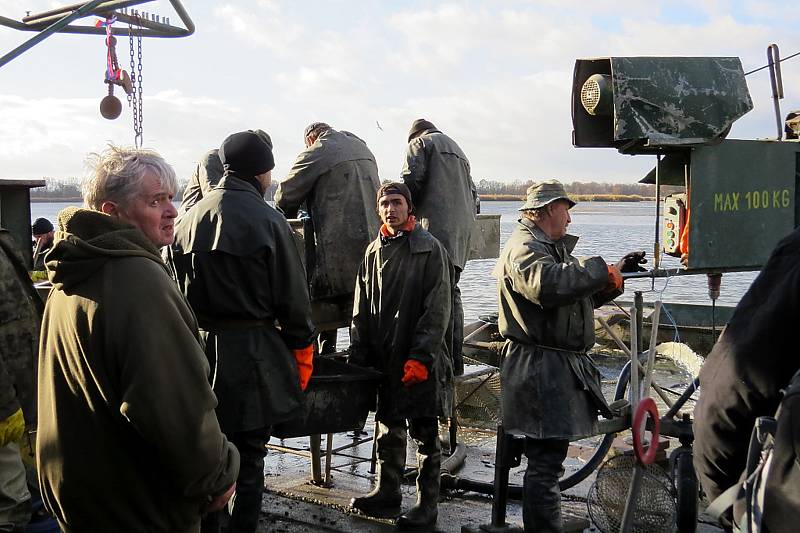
655, 504
477, 398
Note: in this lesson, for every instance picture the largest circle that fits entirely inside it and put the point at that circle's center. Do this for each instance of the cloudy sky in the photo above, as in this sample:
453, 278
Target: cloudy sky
495, 75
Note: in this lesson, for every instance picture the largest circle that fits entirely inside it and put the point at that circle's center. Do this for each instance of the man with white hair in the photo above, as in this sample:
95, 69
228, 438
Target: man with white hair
128, 439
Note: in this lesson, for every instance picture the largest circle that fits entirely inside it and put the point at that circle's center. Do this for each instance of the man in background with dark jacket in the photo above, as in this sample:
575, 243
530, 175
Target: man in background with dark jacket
207, 174
235, 260
743, 378
20, 310
336, 178
438, 175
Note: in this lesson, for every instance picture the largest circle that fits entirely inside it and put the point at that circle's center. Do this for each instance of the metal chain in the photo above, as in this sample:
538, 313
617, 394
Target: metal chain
135, 97
132, 94
139, 138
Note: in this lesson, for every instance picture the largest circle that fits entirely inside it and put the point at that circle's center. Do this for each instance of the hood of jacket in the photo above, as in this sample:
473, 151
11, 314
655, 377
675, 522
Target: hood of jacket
85, 240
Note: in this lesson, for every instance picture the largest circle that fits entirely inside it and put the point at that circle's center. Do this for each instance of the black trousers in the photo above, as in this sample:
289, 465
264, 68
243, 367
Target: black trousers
241, 515
541, 501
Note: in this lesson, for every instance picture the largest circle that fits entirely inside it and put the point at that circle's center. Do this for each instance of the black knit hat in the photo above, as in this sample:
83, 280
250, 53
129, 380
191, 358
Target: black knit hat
246, 154
418, 126
41, 226
396, 187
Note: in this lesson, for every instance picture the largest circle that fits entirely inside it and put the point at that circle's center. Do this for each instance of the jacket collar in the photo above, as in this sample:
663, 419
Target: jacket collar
232, 182
569, 241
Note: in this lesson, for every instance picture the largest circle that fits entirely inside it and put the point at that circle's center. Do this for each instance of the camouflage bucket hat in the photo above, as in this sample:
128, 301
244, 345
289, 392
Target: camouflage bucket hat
544, 192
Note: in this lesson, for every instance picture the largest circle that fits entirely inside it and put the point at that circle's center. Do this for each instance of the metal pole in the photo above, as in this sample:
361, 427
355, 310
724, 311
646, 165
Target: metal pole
50, 30
633, 394
774, 62
638, 302
657, 240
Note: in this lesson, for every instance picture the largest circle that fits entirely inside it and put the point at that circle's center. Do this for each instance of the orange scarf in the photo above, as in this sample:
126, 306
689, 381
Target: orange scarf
407, 227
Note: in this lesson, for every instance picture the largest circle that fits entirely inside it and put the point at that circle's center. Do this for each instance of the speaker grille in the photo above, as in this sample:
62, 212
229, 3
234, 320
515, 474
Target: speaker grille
590, 95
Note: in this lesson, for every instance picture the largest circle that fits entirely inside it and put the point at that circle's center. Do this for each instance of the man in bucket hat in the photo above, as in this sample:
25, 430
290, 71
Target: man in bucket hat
551, 387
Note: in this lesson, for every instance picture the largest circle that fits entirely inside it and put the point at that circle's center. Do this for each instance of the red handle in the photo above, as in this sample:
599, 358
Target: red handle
646, 406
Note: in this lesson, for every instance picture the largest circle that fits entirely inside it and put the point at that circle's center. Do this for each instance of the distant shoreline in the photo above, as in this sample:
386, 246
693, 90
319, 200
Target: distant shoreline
76, 199
577, 197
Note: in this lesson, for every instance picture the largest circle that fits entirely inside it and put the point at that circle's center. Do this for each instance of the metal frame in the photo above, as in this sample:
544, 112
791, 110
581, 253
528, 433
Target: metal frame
58, 21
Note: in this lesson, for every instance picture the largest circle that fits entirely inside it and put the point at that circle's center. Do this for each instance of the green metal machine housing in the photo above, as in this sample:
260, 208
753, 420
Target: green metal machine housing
742, 195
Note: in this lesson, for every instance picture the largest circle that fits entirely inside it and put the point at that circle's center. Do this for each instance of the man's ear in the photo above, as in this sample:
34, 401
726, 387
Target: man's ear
109, 208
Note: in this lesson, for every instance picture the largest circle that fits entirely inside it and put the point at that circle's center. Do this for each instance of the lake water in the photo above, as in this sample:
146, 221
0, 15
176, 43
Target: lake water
609, 229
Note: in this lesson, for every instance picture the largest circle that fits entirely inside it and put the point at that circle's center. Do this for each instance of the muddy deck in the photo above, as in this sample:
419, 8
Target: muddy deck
294, 504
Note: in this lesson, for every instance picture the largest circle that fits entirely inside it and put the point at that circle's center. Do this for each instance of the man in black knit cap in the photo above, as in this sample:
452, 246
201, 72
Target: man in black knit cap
235, 260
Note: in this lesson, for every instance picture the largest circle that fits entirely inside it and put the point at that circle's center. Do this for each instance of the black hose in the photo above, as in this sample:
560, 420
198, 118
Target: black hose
515, 491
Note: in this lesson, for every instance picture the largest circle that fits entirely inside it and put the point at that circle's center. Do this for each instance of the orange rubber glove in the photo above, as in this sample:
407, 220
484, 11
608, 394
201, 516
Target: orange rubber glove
305, 364
414, 372
614, 279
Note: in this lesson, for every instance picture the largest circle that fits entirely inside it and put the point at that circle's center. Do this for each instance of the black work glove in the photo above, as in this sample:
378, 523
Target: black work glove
632, 262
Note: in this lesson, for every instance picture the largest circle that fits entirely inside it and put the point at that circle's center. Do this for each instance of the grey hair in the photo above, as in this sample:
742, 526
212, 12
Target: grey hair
535, 215
117, 174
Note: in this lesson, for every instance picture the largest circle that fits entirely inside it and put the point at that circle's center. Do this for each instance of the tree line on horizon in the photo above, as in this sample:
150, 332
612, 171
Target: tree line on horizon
58, 188
70, 189
520, 187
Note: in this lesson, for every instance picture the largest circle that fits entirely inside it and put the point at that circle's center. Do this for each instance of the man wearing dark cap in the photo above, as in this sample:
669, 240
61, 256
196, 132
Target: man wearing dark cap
336, 178
208, 173
43, 234
235, 260
551, 387
400, 326
438, 175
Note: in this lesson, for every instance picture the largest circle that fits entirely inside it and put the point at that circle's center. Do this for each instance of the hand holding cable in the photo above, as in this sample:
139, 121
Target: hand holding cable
305, 364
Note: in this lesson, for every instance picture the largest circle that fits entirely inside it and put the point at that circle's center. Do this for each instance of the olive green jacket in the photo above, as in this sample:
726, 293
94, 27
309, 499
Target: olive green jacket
438, 175
19, 333
127, 437
402, 311
235, 260
551, 388
337, 180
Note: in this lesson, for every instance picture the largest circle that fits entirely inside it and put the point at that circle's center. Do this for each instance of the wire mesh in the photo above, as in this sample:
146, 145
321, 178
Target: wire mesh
655, 504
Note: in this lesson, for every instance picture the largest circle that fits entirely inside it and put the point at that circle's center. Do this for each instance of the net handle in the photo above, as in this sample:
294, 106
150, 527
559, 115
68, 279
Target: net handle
646, 406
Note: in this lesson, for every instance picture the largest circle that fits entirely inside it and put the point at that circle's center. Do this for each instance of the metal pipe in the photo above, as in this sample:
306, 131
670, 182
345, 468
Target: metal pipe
774, 62
154, 29
669, 272
657, 241
50, 30
633, 393
106, 5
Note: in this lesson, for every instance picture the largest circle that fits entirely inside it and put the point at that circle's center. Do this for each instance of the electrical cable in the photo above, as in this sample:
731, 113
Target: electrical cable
767, 65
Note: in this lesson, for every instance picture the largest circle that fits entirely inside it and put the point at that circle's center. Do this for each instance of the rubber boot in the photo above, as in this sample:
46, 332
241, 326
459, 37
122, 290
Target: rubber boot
385, 500
541, 503
422, 516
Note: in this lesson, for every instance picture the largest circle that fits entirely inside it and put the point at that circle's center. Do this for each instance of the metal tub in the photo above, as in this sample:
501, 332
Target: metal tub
338, 398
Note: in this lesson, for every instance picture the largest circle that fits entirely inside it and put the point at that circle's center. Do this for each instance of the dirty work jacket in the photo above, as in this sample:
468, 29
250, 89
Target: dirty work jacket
205, 177
127, 437
742, 379
237, 264
402, 311
19, 333
551, 388
438, 175
337, 179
